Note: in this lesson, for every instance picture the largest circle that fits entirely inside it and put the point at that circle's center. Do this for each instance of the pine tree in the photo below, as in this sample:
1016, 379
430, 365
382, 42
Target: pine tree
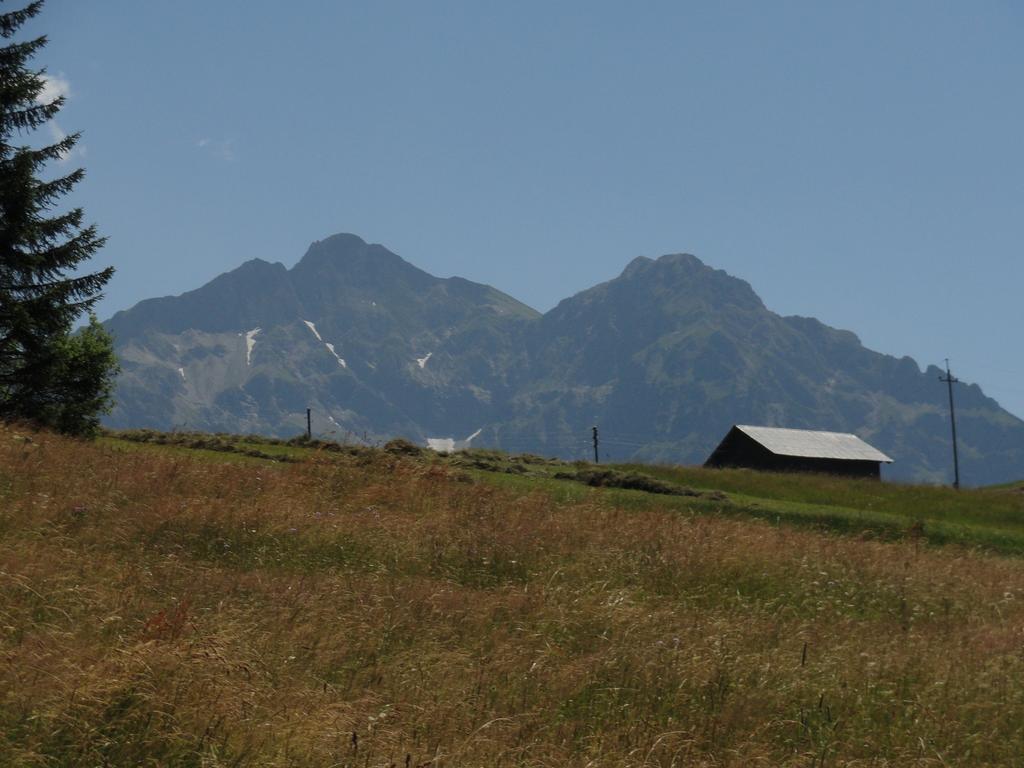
49, 375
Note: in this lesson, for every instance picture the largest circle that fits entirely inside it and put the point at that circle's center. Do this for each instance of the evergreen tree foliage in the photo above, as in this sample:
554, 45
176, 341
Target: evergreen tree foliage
48, 374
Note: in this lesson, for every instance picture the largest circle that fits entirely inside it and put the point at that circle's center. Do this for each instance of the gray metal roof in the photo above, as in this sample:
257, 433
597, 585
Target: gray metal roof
813, 444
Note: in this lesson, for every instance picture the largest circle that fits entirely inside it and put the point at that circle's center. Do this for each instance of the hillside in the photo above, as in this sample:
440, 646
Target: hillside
665, 358
200, 600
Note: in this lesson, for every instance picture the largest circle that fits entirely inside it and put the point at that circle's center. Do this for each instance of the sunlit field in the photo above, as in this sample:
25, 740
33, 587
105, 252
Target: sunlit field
176, 605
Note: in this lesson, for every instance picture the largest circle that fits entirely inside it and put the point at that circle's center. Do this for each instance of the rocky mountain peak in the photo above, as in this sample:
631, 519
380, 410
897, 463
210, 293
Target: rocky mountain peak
344, 263
665, 357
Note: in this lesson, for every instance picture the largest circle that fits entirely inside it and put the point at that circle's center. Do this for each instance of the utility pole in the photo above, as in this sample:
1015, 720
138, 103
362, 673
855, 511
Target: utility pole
950, 380
309, 423
596, 459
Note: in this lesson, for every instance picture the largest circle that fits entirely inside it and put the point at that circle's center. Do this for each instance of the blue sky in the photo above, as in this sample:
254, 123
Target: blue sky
860, 162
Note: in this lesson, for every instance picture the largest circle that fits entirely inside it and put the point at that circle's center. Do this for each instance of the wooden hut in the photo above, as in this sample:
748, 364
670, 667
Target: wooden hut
774, 449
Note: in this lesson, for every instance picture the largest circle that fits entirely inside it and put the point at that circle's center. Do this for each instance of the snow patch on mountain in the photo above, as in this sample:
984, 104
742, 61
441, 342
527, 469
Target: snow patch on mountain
250, 342
330, 347
181, 372
312, 327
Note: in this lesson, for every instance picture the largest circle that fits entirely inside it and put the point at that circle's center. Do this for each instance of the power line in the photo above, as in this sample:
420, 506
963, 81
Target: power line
950, 380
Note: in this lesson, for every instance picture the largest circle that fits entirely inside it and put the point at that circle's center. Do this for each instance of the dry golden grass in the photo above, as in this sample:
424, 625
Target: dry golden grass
162, 610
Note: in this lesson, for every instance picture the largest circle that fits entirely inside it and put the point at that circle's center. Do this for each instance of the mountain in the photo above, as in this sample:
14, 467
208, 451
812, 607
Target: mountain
672, 353
665, 358
371, 343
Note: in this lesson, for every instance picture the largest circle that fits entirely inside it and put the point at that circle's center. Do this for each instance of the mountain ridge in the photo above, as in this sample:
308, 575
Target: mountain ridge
665, 356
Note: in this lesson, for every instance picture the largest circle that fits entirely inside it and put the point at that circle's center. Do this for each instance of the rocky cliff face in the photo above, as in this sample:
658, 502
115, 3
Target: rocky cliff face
665, 358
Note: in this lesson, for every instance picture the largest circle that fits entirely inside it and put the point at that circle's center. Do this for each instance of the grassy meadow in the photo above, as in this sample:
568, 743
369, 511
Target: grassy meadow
215, 601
